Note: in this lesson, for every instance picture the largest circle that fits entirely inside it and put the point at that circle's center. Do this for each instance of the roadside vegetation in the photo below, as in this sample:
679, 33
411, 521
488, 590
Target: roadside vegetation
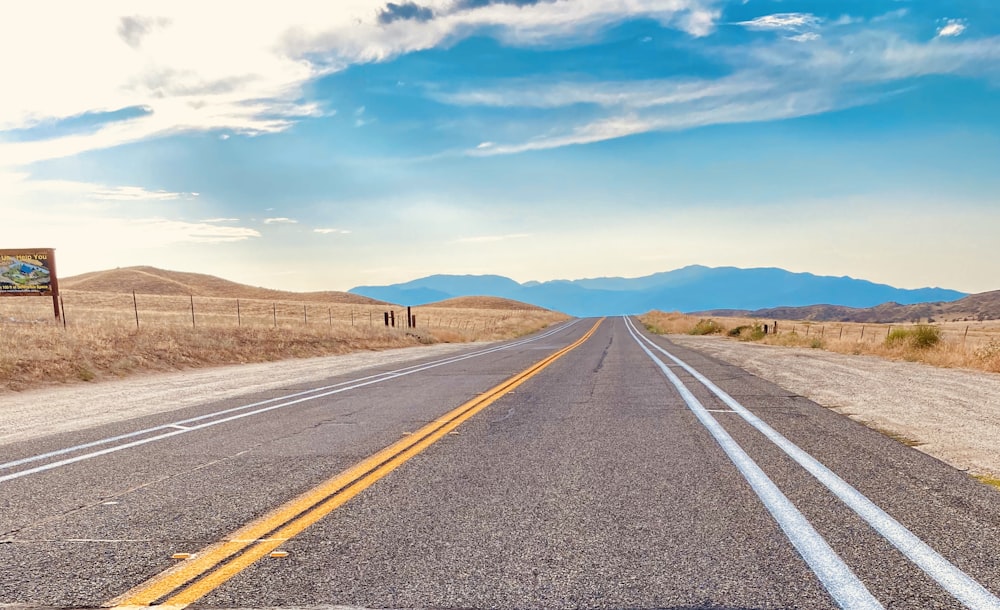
973, 345
102, 338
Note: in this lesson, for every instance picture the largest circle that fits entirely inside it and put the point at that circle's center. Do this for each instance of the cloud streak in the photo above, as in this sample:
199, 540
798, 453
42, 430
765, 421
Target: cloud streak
773, 81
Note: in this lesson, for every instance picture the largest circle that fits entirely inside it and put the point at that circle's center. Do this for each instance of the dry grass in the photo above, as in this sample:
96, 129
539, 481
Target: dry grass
101, 338
971, 345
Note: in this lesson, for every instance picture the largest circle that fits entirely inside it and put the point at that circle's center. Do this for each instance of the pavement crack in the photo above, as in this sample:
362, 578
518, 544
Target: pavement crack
105, 499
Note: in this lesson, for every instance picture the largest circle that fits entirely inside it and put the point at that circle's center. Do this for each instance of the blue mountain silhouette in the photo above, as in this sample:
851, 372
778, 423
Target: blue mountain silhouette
693, 288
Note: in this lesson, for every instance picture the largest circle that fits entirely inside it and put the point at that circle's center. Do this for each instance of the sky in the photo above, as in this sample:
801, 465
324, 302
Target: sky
324, 145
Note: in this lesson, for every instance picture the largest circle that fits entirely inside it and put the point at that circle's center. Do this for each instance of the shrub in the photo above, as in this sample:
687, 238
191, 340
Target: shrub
706, 327
921, 336
748, 333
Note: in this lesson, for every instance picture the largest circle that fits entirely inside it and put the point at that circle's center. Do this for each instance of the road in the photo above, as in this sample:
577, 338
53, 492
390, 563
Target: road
582, 467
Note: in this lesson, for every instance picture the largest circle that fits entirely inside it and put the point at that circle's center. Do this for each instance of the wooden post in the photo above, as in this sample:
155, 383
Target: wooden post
274, 313
409, 318
239, 322
964, 337
135, 306
841, 332
54, 283
192, 310
62, 306
305, 317
862, 333
385, 314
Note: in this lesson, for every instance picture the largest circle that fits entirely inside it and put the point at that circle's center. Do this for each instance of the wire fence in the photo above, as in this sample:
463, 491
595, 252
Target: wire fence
81, 309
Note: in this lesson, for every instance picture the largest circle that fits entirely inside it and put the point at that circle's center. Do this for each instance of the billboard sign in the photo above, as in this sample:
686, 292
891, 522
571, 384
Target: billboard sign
28, 272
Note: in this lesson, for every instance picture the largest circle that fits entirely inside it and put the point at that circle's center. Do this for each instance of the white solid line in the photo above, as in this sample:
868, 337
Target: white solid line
178, 428
835, 576
955, 581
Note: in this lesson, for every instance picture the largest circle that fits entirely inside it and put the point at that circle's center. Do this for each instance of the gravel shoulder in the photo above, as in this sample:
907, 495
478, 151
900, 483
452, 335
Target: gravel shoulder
51, 410
953, 415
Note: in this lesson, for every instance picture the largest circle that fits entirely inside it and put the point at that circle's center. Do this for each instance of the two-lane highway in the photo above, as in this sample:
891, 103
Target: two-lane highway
588, 466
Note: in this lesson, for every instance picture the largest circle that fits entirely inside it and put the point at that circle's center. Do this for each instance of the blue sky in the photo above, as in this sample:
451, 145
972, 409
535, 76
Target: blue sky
311, 146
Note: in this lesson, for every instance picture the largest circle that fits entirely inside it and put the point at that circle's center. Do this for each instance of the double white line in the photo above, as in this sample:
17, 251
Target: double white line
838, 579
227, 415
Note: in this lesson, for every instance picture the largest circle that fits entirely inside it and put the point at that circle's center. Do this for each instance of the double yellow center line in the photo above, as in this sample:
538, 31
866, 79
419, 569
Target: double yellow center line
205, 571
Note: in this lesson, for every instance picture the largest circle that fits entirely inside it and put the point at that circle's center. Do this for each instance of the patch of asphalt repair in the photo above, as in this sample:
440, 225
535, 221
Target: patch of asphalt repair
951, 414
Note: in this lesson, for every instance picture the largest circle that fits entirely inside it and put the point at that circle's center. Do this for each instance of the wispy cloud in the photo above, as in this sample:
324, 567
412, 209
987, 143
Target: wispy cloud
954, 27
168, 58
782, 21
778, 80
332, 231
280, 221
221, 220
136, 193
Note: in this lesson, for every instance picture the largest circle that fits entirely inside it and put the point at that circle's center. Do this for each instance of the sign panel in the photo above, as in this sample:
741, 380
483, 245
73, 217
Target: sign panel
28, 272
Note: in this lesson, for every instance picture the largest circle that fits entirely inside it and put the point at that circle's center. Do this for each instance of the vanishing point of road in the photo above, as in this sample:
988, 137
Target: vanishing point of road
591, 465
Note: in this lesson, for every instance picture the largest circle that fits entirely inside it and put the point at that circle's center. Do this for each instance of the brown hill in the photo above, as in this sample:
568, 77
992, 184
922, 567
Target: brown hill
485, 303
983, 306
150, 280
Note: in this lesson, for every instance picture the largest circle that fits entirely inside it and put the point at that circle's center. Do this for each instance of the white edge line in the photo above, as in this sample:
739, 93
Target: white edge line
177, 429
952, 579
835, 576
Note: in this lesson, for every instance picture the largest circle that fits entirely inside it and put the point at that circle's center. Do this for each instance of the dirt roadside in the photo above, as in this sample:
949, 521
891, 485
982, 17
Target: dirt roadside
51, 410
951, 414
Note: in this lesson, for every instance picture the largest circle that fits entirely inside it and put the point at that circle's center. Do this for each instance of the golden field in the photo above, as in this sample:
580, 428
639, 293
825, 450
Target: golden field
101, 337
965, 344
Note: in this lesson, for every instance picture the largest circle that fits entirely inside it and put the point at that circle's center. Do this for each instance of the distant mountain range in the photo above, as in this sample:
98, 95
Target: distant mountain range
693, 288
983, 306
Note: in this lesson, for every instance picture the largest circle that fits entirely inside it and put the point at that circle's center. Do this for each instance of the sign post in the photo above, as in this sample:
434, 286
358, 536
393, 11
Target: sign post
30, 272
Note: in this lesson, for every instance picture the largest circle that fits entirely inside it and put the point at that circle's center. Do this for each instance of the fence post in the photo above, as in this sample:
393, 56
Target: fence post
305, 317
62, 306
329, 311
274, 313
135, 306
964, 337
862, 333
239, 321
192, 310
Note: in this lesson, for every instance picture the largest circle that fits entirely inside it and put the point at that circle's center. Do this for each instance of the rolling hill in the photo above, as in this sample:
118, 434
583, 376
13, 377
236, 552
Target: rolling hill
150, 280
983, 306
693, 288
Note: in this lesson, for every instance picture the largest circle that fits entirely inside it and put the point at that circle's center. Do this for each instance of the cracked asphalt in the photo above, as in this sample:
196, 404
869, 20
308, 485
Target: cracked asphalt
591, 485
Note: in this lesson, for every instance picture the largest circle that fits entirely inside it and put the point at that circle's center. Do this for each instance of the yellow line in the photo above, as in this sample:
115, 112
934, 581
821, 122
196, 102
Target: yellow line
260, 537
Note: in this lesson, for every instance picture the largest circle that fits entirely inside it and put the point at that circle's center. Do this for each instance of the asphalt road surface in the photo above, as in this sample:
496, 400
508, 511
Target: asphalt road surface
590, 466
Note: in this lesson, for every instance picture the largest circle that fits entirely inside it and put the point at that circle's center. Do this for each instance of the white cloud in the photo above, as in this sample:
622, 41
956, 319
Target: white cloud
805, 37
221, 220
136, 193
280, 221
241, 68
778, 80
782, 21
954, 27
14, 185
332, 231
